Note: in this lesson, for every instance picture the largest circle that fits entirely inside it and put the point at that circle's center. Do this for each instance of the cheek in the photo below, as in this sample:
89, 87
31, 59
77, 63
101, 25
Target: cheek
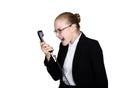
67, 36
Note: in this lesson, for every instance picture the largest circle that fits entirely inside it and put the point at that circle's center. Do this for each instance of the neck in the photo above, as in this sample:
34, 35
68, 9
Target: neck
75, 36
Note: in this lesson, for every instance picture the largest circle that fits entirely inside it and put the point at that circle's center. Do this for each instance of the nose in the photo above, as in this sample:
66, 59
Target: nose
58, 35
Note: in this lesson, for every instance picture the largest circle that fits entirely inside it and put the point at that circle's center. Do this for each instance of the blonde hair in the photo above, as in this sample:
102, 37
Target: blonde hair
71, 18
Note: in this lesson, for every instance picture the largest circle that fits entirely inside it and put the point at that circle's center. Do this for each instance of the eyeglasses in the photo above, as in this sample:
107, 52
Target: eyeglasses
60, 30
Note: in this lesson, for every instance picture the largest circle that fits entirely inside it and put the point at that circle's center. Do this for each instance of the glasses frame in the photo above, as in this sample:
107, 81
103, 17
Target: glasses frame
60, 30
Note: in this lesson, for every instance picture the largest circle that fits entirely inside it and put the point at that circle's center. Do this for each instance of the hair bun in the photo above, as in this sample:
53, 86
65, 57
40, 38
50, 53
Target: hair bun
77, 17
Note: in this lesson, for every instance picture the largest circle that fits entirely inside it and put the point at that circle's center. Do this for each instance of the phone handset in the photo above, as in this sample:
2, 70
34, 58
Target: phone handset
40, 34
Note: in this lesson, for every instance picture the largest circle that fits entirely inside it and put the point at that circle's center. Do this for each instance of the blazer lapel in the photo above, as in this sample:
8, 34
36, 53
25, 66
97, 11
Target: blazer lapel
79, 46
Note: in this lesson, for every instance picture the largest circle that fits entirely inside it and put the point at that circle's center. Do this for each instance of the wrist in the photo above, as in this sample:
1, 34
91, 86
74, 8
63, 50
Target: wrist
48, 56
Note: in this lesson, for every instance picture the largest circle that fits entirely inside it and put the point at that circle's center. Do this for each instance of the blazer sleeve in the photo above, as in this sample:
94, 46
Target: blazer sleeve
99, 72
52, 68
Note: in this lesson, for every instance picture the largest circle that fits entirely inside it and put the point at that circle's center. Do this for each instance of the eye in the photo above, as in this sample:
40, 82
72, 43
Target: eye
59, 30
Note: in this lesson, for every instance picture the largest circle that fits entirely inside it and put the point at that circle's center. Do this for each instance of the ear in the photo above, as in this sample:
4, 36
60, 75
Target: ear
73, 26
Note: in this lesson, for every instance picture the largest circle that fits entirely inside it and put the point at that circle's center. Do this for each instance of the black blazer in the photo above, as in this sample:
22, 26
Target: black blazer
88, 65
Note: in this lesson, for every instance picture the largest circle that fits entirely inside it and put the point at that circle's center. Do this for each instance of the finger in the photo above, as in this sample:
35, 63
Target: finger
42, 43
45, 46
49, 48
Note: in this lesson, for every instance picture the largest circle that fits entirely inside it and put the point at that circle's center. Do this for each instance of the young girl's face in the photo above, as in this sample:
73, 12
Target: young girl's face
63, 31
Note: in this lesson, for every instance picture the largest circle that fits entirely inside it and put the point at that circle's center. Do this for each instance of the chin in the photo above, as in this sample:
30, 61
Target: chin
64, 44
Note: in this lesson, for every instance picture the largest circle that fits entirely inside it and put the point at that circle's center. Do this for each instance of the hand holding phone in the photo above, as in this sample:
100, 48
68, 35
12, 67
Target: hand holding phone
40, 34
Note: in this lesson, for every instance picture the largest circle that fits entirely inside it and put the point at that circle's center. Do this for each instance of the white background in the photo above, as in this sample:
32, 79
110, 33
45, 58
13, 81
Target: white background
21, 59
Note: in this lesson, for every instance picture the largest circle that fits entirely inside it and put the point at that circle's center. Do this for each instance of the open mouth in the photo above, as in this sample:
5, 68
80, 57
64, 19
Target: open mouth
62, 39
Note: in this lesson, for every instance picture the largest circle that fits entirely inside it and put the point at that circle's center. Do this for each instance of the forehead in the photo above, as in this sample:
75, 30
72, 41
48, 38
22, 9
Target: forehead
61, 22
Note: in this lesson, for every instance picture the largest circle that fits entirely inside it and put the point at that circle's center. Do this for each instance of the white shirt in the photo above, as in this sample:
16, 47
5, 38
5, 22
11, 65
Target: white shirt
67, 67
